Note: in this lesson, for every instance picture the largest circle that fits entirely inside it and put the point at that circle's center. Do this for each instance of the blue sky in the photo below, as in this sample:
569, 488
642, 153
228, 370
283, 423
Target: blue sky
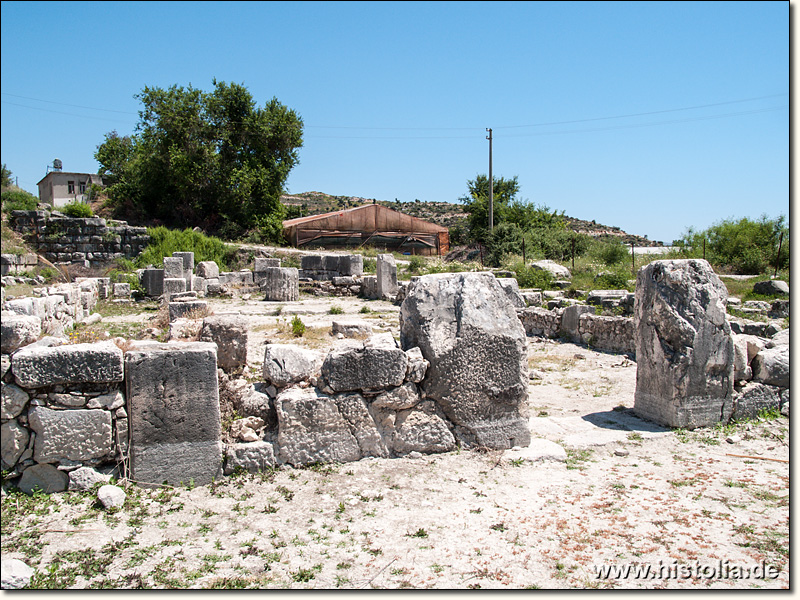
645, 115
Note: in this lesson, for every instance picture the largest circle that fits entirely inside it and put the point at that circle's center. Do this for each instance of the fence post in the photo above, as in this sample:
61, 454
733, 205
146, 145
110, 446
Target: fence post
633, 260
777, 258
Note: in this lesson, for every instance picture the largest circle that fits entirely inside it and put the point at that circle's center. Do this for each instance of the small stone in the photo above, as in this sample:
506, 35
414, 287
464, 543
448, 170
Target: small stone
111, 497
621, 452
16, 574
733, 439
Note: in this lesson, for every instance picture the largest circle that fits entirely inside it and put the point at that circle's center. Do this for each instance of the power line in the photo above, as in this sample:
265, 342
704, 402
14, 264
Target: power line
72, 105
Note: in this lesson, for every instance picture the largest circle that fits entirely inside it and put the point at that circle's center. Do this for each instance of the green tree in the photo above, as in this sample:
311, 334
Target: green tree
5, 173
210, 159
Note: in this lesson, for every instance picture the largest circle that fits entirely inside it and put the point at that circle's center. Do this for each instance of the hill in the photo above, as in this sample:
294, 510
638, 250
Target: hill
446, 214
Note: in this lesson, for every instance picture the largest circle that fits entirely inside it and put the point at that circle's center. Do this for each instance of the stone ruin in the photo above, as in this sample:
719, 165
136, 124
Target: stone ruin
73, 414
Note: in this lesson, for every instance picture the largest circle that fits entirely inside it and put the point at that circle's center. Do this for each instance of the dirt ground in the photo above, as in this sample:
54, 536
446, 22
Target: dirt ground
598, 488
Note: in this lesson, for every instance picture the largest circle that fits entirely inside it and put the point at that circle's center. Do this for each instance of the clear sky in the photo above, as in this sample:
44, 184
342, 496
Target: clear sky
649, 116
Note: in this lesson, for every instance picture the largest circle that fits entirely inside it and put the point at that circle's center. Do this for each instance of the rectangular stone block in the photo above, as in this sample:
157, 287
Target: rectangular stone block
312, 262
207, 269
174, 416
74, 435
173, 267
386, 272
179, 310
262, 264
153, 282
188, 266
71, 363
351, 265
281, 284
174, 286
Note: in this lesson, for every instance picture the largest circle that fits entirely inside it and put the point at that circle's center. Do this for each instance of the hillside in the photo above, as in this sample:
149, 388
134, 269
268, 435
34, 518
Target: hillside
446, 214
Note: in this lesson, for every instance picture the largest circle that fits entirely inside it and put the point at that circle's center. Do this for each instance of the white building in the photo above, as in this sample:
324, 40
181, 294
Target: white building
58, 188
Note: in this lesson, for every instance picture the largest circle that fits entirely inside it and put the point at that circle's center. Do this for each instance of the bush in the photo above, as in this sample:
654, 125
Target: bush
298, 327
163, 242
77, 210
528, 277
611, 253
18, 200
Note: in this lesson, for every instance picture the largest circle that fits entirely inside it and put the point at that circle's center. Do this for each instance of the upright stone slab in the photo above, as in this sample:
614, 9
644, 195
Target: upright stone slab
173, 405
469, 331
260, 265
684, 349
281, 284
174, 285
153, 282
173, 267
188, 266
386, 272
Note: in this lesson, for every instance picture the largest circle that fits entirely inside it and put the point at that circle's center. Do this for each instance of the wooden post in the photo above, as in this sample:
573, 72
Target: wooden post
704, 248
633, 260
573, 251
524, 260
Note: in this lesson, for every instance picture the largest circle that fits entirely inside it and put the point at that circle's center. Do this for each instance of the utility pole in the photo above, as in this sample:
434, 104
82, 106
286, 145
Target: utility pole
491, 183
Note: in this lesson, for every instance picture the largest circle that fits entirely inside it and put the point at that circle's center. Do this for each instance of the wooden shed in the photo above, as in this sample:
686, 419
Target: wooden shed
368, 225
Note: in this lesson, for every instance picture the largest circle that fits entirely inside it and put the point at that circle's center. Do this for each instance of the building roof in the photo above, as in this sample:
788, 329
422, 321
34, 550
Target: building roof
49, 173
368, 217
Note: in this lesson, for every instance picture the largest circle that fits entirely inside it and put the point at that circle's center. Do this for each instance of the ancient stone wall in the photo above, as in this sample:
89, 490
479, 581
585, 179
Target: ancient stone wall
87, 240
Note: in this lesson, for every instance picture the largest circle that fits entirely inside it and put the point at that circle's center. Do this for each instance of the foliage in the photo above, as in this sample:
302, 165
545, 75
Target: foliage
527, 276
611, 253
298, 327
78, 210
745, 246
5, 176
210, 159
163, 242
18, 200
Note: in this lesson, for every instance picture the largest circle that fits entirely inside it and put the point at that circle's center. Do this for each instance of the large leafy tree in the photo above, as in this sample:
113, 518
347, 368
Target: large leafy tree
213, 159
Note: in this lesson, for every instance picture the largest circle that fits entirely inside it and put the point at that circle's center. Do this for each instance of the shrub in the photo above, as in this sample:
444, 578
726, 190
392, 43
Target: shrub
77, 210
298, 327
611, 253
18, 200
528, 277
163, 242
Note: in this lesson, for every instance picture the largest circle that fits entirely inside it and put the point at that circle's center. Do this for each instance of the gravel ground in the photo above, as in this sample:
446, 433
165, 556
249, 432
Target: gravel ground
598, 488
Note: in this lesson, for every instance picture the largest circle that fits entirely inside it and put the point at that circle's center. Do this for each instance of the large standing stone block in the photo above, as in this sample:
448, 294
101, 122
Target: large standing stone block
281, 284
229, 333
174, 416
188, 266
18, 330
377, 364
153, 282
571, 319
469, 331
73, 435
174, 285
386, 272
173, 268
351, 265
71, 363
684, 349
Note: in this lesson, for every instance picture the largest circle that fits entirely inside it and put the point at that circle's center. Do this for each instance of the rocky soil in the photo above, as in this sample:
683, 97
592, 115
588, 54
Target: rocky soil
597, 488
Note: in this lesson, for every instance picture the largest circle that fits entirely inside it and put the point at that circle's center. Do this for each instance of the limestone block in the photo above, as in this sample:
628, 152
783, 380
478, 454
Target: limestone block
782, 338
14, 400
76, 435
153, 282
386, 272
14, 439
191, 308
312, 262
753, 398
44, 477
281, 284
207, 269
72, 363
570, 321
173, 268
556, 270
188, 266
229, 333
532, 298
772, 287
400, 398
122, 290
771, 366
351, 329
376, 364
417, 365
285, 364
199, 284
262, 264
350, 265
18, 330
85, 478
311, 429
354, 409
173, 286
684, 350
173, 405
467, 329
253, 457
369, 287
422, 430
511, 288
